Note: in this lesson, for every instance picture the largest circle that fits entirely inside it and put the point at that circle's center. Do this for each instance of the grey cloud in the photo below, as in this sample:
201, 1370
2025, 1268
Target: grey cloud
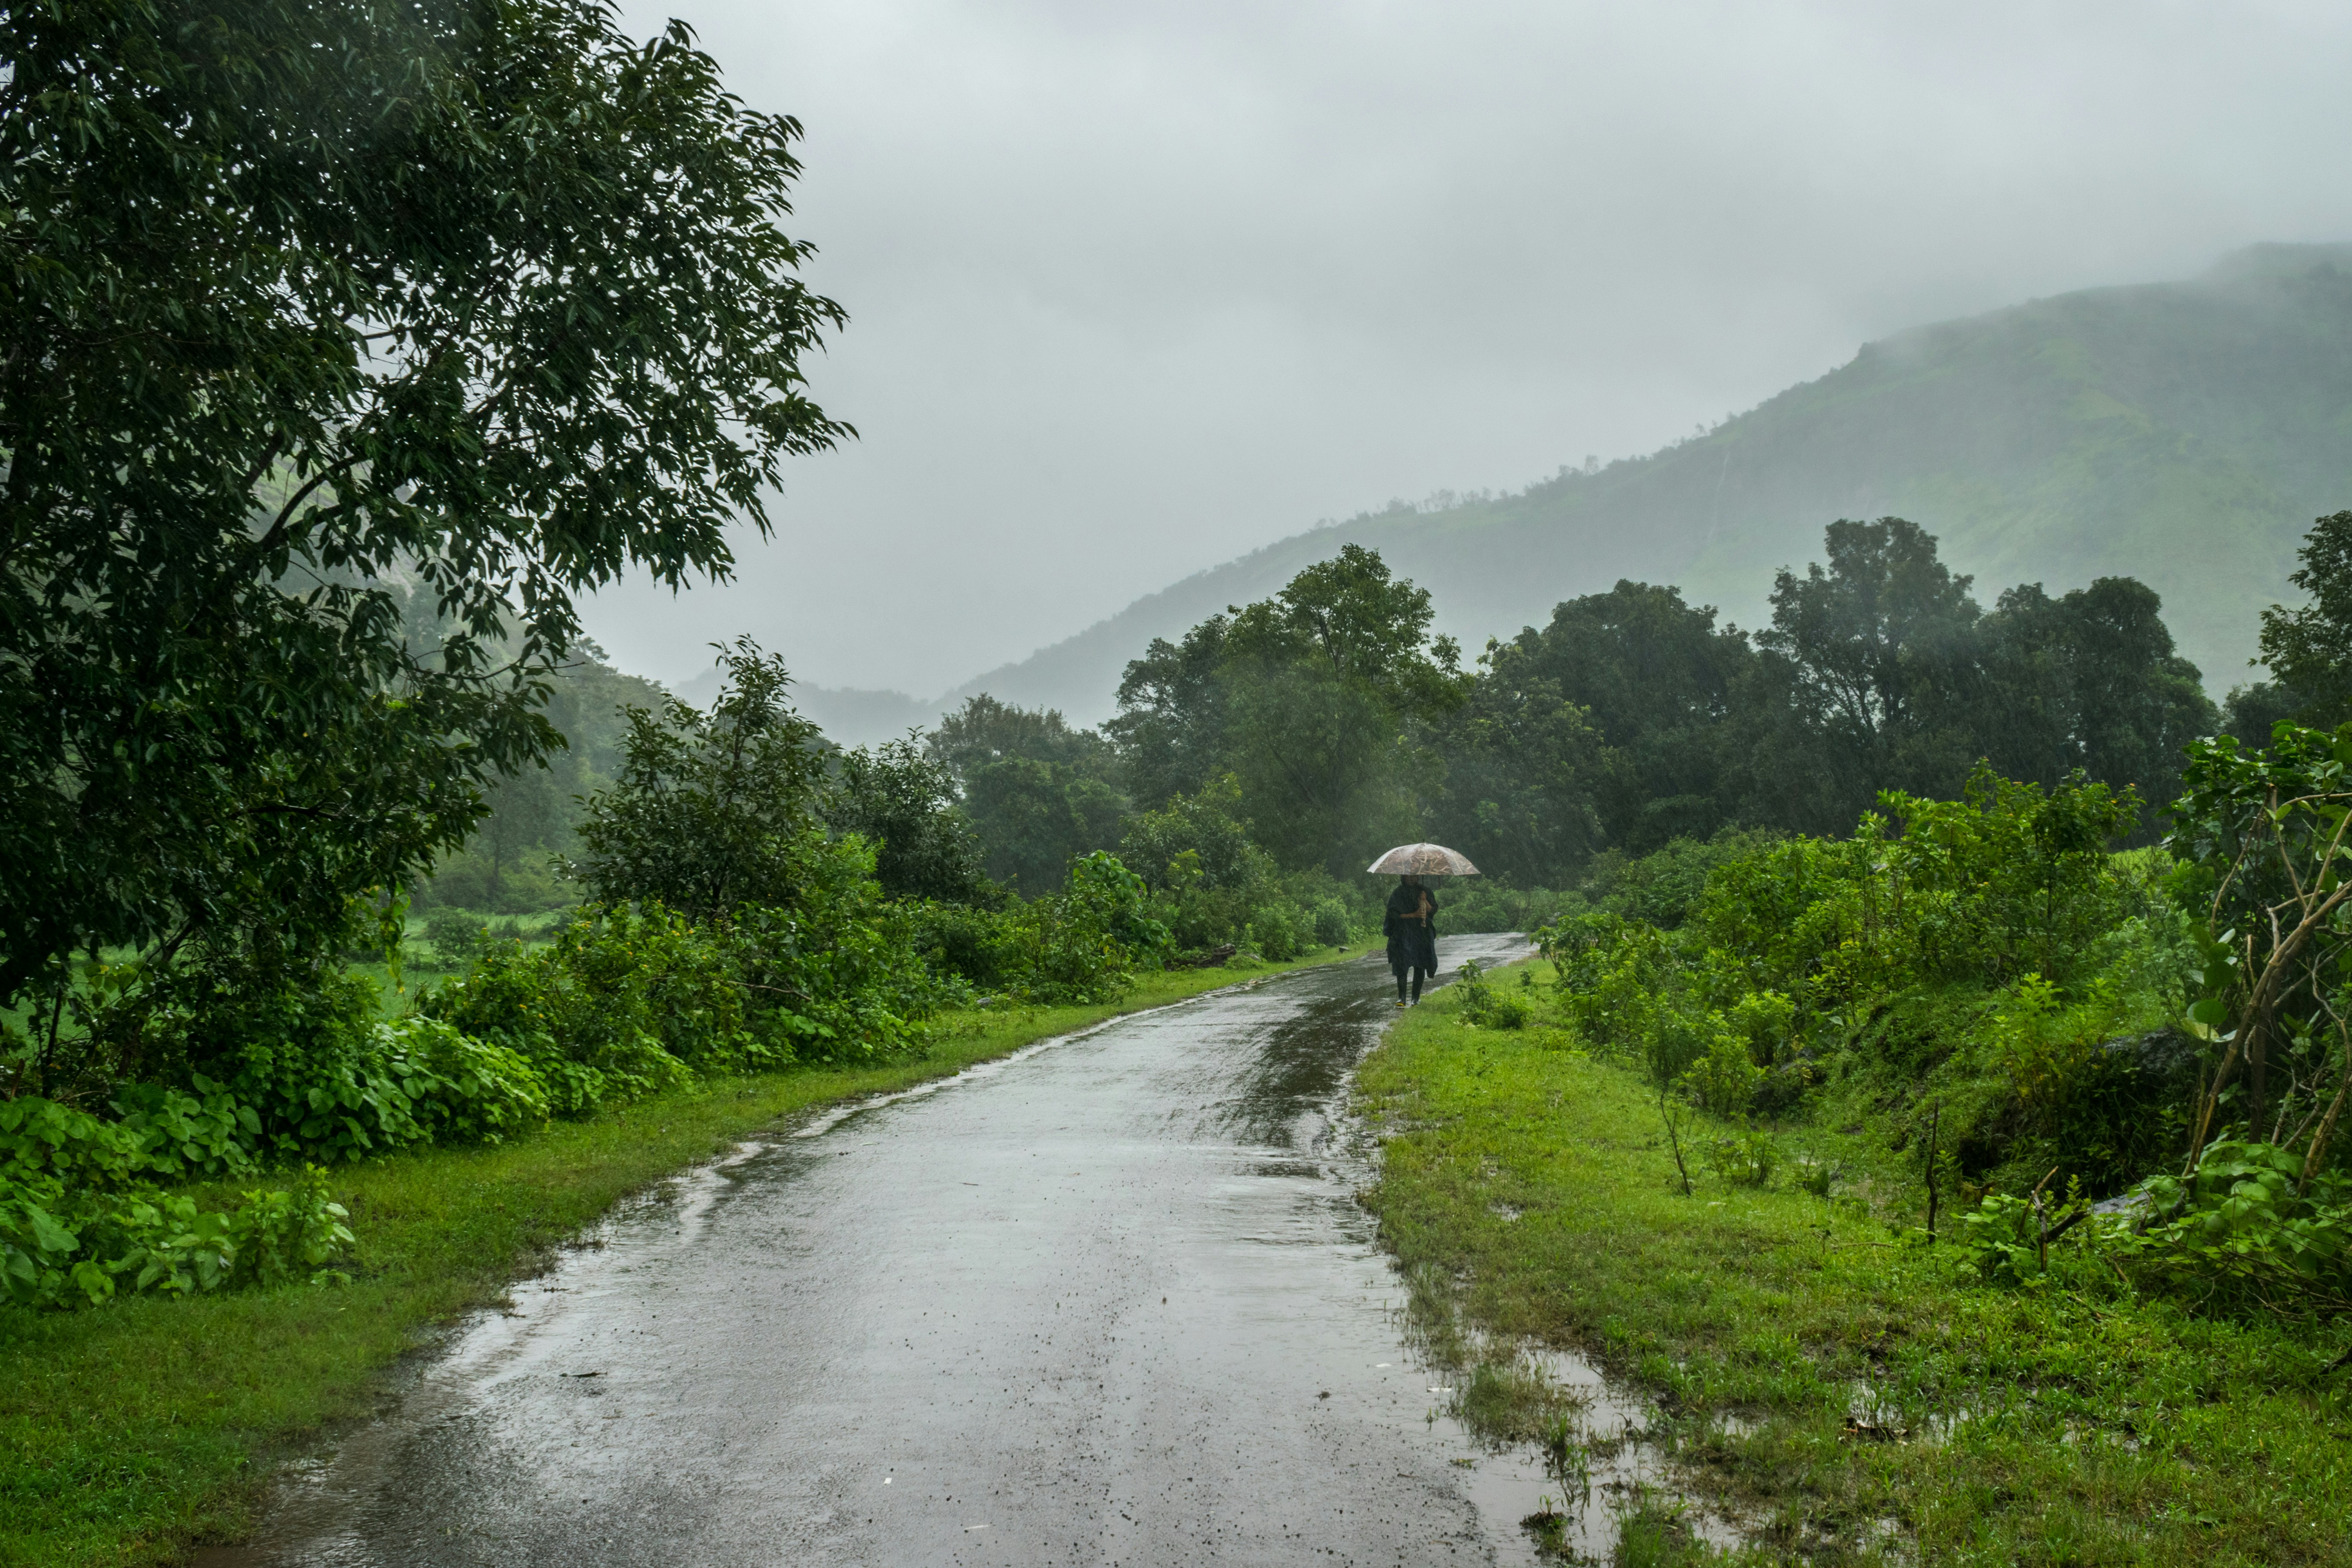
1137, 288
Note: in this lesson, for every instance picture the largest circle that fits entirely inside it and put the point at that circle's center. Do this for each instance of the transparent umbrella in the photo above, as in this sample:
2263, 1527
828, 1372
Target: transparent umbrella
1422, 860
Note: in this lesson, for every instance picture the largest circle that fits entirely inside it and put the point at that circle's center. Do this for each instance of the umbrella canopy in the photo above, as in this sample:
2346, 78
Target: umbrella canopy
1422, 860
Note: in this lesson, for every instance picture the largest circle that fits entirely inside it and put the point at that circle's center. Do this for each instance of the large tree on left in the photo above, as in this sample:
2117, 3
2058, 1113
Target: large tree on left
311, 308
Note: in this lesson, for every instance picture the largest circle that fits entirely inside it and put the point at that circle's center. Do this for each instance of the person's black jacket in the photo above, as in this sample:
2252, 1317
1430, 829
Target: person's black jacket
1412, 944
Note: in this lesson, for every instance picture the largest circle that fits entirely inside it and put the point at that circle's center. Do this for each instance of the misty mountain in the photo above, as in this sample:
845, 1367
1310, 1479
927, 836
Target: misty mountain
2185, 434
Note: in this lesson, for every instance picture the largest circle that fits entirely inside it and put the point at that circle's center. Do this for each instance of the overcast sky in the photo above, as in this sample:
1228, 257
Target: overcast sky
1134, 289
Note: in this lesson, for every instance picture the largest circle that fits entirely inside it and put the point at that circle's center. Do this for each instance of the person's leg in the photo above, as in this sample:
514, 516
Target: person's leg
1399, 973
1417, 973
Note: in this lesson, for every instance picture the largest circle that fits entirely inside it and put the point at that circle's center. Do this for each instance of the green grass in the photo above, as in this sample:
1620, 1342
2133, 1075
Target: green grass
2066, 1424
133, 1431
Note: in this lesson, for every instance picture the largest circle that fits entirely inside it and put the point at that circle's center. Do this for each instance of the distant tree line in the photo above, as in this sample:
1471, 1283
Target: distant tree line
1330, 721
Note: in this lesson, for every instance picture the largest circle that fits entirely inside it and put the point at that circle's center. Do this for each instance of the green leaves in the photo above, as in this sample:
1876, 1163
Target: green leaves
712, 810
341, 346
150, 1241
2272, 923
2309, 649
1306, 698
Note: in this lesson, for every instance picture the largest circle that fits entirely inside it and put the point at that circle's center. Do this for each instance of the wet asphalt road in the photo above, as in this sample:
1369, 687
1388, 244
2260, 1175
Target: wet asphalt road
1108, 1301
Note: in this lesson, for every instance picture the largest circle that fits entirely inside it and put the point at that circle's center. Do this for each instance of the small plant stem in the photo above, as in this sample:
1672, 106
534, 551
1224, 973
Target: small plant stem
1934, 1120
2041, 1220
56, 1015
1674, 1140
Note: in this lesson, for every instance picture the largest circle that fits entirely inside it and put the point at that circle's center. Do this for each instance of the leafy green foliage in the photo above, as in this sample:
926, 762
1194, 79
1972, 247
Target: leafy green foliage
453, 937
2309, 649
1746, 1159
81, 1218
2268, 836
308, 302
1875, 642
902, 800
1319, 682
1966, 959
1482, 1003
2250, 1226
1039, 793
1633, 721
1662, 689
1173, 715
1036, 817
1530, 1182
1305, 698
712, 811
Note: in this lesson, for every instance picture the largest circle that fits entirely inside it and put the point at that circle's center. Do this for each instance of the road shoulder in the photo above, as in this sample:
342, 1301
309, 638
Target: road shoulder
1842, 1392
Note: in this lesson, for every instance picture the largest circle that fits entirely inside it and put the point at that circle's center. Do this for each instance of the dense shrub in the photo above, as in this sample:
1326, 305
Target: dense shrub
61, 1247
1279, 931
453, 937
81, 1218
1083, 943
1971, 959
1481, 1002
1663, 887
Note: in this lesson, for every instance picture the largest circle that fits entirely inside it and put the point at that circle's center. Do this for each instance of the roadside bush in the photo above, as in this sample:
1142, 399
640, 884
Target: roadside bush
2250, 1229
1479, 1001
240, 1072
466, 1090
585, 1012
1663, 887
82, 1219
1279, 931
1085, 943
1200, 918
160, 1132
1331, 925
453, 937
1975, 959
959, 943
60, 1248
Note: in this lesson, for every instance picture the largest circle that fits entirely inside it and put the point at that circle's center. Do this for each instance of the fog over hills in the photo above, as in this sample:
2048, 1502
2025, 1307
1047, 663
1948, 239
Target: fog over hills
2185, 434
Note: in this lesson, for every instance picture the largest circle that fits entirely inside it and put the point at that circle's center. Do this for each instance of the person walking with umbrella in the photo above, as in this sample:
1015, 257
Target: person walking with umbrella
1410, 921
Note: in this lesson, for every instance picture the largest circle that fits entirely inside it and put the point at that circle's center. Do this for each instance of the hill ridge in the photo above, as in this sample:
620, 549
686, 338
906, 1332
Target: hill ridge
2185, 433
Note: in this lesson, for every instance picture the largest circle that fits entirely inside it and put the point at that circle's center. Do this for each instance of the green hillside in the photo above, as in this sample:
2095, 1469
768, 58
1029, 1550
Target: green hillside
2185, 434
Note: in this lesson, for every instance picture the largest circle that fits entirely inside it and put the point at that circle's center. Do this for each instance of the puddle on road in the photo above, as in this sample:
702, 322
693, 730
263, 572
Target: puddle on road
1560, 1496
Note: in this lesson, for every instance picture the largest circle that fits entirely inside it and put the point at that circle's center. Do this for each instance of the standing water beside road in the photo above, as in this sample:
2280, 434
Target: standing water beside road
1109, 1300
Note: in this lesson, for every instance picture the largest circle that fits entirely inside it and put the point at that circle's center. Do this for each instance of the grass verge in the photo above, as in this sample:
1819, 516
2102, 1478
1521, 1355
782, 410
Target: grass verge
131, 1432
1891, 1406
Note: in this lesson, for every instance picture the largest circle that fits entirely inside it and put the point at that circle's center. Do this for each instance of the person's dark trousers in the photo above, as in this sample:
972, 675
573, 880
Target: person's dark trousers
1417, 973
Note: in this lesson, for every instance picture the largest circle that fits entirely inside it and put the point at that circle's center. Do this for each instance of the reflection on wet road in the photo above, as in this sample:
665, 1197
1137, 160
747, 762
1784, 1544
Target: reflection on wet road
1111, 1301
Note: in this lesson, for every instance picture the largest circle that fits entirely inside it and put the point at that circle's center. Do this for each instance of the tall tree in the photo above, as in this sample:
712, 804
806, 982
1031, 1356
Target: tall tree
713, 811
1656, 678
1170, 727
1039, 792
2090, 681
1880, 647
985, 730
308, 299
903, 800
2309, 648
1318, 684
1524, 770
